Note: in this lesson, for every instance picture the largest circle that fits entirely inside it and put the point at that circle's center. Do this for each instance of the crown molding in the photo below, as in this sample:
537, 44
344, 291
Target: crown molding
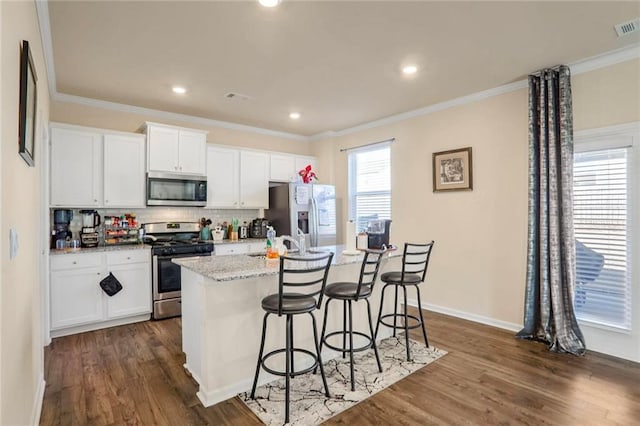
97, 103
607, 59
42, 10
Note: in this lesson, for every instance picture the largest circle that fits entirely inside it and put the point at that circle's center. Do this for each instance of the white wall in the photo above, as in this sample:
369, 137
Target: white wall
479, 261
21, 352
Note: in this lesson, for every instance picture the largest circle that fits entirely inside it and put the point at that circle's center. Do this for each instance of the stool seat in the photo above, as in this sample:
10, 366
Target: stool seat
346, 290
396, 277
292, 303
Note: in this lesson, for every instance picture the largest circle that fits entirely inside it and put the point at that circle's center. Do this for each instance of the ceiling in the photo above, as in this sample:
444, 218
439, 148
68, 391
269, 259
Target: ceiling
336, 63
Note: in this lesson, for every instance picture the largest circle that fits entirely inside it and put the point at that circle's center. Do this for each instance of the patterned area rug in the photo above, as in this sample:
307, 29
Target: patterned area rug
309, 406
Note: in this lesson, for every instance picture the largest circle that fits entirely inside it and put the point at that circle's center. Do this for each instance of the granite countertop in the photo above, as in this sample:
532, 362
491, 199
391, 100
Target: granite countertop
100, 249
240, 266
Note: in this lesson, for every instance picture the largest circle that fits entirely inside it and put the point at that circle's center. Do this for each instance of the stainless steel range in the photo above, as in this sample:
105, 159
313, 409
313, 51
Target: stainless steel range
170, 240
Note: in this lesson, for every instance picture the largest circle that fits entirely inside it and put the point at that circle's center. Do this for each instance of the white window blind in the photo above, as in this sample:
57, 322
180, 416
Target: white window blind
602, 229
370, 184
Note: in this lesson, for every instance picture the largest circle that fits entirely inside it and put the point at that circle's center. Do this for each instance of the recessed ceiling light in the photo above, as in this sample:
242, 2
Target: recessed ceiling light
410, 69
179, 90
269, 3
294, 115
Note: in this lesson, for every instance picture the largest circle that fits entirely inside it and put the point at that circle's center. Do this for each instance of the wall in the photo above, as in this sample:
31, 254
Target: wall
83, 115
479, 261
21, 352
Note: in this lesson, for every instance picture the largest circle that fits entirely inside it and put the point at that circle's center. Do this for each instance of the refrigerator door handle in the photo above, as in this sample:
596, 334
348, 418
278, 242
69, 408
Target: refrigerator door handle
314, 223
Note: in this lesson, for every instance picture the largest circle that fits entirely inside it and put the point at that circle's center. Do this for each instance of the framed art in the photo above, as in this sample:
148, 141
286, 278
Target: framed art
452, 170
28, 99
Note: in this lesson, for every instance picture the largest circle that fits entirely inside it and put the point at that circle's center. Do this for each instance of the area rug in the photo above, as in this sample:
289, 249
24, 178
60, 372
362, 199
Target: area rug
309, 405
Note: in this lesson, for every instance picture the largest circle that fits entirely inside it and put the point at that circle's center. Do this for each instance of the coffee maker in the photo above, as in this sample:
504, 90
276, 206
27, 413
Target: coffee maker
89, 236
60, 231
378, 232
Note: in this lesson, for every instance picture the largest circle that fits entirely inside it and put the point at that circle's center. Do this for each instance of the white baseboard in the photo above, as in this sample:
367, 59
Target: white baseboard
99, 325
36, 411
468, 316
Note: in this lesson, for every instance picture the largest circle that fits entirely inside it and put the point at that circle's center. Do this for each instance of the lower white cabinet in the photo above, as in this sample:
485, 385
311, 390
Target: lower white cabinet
240, 248
77, 300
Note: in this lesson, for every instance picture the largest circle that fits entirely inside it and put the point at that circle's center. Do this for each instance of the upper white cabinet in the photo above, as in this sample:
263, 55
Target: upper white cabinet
76, 167
254, 179
175, 149
285, 167
124, 178
96, 168
237, 178
223, 177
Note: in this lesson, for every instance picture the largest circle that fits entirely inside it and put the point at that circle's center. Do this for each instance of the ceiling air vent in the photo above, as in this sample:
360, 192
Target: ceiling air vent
628, 27
236, 96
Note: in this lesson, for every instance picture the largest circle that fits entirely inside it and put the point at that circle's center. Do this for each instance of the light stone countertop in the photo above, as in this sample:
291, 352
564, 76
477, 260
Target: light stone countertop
100, 249
241, 241
240, 266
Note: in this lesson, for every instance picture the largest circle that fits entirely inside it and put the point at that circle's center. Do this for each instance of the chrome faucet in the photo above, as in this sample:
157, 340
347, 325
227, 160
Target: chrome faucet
300, 243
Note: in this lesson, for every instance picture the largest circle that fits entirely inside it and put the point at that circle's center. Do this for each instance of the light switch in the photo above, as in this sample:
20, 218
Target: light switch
13, 243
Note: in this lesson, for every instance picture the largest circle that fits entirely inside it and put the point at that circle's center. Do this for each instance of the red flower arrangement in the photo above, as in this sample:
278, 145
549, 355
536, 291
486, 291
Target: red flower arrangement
307, 174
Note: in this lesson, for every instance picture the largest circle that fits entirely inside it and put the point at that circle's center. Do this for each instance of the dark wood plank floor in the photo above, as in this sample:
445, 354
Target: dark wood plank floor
133, 374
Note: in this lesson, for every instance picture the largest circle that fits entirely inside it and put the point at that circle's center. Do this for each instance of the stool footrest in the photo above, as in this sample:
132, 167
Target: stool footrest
291, 373
401, 316
341, 349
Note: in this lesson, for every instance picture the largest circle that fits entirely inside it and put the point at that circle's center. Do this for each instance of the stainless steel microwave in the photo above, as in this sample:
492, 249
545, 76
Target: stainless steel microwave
169, 189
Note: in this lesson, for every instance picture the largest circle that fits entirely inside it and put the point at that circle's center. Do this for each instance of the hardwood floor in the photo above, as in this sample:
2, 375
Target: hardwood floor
133, 374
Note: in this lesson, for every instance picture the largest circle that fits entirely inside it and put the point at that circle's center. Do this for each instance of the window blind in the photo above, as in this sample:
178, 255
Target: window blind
601, 220
370, 184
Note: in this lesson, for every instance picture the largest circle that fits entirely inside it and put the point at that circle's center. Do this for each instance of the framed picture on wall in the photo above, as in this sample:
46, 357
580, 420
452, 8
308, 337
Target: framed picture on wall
28, 99
452, 170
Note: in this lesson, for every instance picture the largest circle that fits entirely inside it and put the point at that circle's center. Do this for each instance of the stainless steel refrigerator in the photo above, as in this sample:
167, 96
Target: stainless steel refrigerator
308, 207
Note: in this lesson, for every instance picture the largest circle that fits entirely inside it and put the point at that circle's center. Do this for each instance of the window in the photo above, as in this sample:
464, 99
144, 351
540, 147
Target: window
370, 184
602, 216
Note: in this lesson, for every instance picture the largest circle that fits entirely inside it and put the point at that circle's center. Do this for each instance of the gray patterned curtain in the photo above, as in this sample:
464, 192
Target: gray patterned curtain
549, 315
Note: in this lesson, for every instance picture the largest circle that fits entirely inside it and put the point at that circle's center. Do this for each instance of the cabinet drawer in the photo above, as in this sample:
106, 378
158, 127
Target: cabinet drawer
237, 248
75, 261
128, 256
257, 247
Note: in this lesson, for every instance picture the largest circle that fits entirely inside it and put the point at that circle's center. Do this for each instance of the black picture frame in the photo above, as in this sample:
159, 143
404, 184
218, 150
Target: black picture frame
28, 105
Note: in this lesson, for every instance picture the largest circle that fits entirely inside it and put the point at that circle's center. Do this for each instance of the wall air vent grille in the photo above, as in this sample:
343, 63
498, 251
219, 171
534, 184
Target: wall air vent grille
237, 96
628, 27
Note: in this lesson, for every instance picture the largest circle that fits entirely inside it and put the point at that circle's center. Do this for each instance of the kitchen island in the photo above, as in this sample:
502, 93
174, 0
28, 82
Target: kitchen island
222, 318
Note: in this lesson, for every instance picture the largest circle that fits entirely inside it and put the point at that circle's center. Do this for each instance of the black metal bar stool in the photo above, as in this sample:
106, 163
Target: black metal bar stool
305, 278
352, 292
415, 260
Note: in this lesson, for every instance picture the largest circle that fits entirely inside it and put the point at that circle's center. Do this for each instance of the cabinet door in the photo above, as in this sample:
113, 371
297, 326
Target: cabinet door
124, 177
76, 297
76, 168
254, 179
192, 153
282, 168
135, 296
222, 177
163, 149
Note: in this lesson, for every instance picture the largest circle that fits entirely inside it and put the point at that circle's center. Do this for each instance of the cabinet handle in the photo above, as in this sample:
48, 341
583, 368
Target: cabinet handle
106, 201
74, 262
97, 273
180, 168
242, 203
128, 258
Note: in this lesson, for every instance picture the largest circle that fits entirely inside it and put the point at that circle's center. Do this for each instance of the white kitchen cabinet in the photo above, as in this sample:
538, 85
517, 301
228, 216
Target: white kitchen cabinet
78, 303
134, 274
282, 168
175, 149
76, 297
285, 167
254, 179
76, 167
124, 176
240, 248
223, 185
237, 178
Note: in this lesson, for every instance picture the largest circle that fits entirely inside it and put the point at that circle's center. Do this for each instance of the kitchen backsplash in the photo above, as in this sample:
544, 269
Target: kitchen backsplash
170, 214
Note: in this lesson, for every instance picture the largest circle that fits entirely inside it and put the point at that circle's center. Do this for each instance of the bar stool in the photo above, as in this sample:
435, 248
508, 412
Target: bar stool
306, 278
352, 292
415, 260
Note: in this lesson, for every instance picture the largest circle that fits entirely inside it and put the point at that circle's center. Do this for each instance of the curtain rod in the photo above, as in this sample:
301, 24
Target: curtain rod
367, 144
